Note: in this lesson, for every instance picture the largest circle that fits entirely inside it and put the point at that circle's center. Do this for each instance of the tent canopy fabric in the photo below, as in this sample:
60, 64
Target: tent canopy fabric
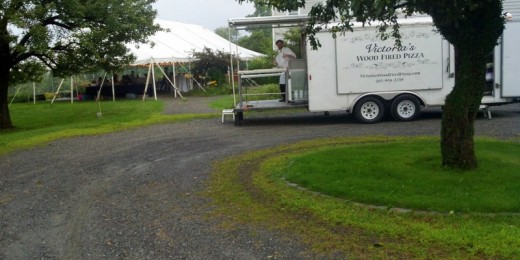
180, 40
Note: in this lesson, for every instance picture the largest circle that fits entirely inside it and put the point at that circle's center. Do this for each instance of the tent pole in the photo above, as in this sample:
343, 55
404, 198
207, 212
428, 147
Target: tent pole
113, 88
175, 88
191, 75
232, 69
57, 91
174, 78
229, 74
153, 77
34, 93
15, 93
101, 86
147, 80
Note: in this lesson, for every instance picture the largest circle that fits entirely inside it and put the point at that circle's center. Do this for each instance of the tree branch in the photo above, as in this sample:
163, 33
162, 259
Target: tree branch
49, 62
53, 20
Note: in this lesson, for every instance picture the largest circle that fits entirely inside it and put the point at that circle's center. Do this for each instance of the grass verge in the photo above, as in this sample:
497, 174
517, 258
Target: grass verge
224, 102
41, 123
251, 188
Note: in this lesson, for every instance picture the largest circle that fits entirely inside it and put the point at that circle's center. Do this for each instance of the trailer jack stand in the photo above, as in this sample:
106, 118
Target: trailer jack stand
487, 112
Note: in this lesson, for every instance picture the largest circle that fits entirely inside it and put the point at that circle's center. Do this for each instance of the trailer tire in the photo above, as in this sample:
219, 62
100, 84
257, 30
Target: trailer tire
239, 116
405, 108
369, 110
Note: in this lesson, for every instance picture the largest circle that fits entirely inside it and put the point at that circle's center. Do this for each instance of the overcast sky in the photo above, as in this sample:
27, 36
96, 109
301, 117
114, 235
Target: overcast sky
208, 13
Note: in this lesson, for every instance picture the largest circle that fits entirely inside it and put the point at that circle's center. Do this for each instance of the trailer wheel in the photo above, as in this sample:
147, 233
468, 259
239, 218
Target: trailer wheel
239, 116
369, 110
405, 108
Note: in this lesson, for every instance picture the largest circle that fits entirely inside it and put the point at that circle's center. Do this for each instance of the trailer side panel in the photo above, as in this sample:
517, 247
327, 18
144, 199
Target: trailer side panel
368, 64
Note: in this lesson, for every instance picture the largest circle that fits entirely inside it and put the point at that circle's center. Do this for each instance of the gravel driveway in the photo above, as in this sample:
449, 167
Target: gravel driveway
134, 194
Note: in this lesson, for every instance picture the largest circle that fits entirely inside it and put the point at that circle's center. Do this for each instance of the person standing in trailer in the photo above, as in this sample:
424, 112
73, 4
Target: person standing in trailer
282, 61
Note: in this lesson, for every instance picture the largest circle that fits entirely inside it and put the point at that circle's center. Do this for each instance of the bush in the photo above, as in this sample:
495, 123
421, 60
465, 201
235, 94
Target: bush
210, 66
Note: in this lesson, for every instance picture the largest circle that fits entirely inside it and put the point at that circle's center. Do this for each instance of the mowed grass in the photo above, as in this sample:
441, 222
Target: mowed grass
41, 122
347, 206
224, 102
408, 174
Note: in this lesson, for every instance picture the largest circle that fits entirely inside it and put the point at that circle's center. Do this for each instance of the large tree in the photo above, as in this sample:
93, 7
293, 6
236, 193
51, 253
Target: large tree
471, 26
67, 37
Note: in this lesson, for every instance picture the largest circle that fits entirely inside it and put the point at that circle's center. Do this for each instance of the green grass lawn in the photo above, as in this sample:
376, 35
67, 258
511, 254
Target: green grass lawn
41, 123
347, 189
224, 102
408, 174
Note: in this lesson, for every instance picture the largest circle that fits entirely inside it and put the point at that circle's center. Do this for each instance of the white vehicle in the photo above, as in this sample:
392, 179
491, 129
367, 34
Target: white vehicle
361, 74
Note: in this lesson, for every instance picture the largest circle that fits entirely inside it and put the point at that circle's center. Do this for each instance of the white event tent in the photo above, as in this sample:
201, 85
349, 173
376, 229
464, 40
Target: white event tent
177, 44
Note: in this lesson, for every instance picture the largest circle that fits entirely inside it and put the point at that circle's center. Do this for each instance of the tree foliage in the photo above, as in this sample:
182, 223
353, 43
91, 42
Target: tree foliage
471, 26
293, 40
67, 37
210, 66
259, 39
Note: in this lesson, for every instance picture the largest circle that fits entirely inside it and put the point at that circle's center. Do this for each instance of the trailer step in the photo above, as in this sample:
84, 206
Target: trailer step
228, 112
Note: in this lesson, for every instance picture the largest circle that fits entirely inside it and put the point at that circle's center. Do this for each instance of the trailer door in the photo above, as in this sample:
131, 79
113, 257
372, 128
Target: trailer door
511, 60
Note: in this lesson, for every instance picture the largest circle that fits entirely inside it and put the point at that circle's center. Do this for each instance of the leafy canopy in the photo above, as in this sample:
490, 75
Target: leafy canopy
456, 20
71, 36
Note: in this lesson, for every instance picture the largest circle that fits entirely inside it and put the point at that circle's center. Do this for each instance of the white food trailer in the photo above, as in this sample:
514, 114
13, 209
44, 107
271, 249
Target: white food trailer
361, 74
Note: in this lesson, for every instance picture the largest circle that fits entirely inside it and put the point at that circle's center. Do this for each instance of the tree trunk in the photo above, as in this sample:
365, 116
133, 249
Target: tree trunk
5, 76
5, 118
461, 107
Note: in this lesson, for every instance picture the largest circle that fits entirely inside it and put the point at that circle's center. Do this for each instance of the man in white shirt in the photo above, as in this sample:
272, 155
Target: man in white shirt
282, 61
